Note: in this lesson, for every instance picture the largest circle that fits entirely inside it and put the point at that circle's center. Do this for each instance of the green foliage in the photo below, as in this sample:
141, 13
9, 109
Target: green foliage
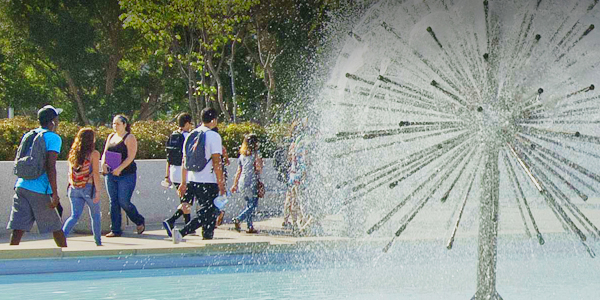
151, 136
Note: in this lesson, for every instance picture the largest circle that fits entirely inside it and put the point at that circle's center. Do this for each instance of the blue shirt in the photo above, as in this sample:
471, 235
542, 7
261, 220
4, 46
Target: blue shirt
41, 184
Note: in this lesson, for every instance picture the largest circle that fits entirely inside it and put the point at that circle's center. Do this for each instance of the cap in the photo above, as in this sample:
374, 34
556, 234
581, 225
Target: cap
47, 113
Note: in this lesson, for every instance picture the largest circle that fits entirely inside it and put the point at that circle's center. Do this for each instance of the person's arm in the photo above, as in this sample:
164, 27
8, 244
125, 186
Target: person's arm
183, 186
225, 156
238, 174
51, 171
258, 164
102, 162
218, 169
168, 173
131, 143
95, 157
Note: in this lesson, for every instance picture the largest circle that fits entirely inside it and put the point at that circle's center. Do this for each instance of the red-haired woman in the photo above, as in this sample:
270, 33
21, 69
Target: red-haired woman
84, 178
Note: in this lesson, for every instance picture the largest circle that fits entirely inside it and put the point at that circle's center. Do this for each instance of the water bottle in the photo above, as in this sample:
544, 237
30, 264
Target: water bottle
221, 200
165, 184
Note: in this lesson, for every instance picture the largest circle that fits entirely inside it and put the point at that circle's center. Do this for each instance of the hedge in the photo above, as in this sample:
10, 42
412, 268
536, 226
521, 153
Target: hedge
151, 136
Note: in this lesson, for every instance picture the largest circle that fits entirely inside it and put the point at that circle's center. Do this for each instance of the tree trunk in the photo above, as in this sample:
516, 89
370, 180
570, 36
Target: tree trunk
232, 77
114, 28
111, 72
191, 91
270, 92
220, 100
74, 91
149, 107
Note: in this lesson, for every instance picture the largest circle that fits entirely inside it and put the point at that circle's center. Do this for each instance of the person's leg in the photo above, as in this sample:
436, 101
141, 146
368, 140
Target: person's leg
185, 206
286, 206
21, 216
95, 215
294, 205
178, 212
247, 210
112, 187
252, 204
47, 218
77, 203
208, 210
193, 190
125, 191
59, 238
15, 237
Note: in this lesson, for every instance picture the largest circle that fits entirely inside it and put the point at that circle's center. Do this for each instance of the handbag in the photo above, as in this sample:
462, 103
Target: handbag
259, 185
260, 189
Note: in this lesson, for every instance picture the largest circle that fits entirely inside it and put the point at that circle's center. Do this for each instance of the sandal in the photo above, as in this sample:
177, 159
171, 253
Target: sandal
141, 228
236, 224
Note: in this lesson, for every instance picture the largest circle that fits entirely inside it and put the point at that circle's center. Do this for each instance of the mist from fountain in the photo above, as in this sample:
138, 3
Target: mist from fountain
468, 118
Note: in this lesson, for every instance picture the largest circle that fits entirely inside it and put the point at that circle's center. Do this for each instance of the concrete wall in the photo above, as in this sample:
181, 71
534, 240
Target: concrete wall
152, 200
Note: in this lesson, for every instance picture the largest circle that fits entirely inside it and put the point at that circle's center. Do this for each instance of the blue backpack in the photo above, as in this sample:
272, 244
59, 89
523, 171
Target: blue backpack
195, 151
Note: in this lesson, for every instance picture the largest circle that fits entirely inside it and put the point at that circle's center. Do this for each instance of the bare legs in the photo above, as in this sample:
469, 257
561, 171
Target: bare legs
59, 238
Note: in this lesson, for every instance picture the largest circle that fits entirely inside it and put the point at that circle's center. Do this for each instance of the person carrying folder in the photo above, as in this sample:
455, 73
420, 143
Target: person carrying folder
120, 172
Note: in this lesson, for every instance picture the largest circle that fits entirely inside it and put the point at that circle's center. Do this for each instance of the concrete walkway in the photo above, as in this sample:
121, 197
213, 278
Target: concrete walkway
155, 241
432, 225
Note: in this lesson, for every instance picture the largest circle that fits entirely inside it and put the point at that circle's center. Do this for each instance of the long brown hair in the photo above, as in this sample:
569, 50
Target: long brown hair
82, 147
250, 144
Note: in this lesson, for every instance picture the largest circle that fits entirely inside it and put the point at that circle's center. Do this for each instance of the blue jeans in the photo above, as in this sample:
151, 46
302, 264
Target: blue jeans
246, 214
120, 189
79, 197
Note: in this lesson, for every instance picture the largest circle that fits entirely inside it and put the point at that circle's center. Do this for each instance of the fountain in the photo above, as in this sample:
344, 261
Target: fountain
465, 102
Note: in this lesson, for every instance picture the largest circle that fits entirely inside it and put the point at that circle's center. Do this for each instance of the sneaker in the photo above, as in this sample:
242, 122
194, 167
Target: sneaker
167, 227
177, 238
112, 234
236, 224
251, 230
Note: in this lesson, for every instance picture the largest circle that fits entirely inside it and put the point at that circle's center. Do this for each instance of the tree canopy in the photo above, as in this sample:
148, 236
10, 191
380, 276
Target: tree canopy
151, 59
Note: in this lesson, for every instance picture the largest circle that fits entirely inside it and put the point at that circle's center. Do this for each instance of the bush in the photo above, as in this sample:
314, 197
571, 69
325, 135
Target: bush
151, 136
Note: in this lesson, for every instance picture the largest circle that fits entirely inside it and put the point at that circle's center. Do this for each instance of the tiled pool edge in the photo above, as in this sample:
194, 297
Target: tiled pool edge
50, 260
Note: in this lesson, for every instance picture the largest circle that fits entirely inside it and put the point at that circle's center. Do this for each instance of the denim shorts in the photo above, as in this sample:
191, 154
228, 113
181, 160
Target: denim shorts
30, 206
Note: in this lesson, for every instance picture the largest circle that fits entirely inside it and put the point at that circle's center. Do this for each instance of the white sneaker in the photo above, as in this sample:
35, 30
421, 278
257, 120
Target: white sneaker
177, 238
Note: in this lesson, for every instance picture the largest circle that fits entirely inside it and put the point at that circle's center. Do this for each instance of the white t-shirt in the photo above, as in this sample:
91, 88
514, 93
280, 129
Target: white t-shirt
213, 145
175, 171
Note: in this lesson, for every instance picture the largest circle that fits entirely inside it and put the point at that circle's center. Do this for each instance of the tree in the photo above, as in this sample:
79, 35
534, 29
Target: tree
194, 35
80, 41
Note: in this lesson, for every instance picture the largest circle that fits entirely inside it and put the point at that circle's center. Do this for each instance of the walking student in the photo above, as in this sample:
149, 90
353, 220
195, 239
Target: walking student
246, 178
36, 192
201, 176
173, 170
121, 173
84, 179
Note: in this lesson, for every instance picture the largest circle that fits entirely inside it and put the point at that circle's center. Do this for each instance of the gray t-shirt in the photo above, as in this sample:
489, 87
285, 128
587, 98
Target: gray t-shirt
248, 179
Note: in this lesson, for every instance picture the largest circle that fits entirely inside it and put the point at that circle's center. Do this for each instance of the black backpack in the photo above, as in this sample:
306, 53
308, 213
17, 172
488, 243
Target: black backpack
175, 148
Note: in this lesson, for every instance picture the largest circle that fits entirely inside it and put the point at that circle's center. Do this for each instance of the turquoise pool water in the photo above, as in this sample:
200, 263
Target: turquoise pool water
553, 273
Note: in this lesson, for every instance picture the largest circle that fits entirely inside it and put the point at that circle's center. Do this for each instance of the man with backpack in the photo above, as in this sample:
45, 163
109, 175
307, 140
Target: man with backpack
36, 191
173, 171
201, 176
